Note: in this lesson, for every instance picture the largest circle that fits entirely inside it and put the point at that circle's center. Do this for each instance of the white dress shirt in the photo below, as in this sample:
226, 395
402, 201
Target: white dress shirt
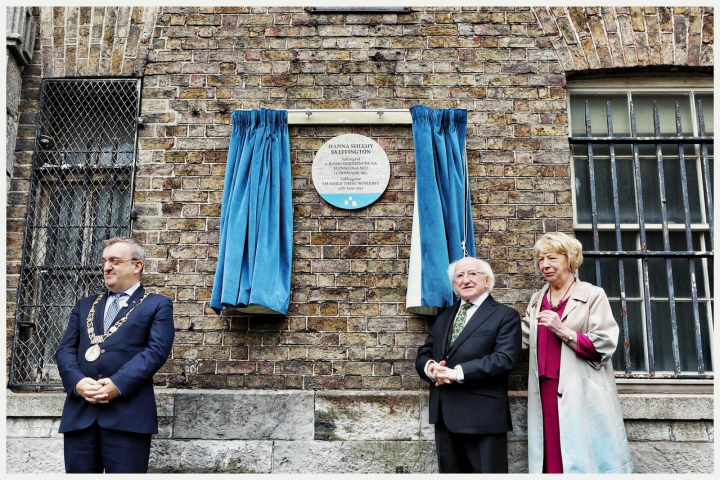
470, 312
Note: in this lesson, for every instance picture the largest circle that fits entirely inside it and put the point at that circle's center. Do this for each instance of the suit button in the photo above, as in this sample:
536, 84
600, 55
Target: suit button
103, 351
559, 395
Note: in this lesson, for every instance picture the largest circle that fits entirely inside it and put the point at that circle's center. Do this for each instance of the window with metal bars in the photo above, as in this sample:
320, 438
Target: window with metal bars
643, 166
80, 194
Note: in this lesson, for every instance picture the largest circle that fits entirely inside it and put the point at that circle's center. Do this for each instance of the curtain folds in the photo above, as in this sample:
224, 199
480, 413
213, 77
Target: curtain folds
440, 215
255, 255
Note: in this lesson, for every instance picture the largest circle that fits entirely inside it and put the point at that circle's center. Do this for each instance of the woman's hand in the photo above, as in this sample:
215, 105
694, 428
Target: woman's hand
551, 320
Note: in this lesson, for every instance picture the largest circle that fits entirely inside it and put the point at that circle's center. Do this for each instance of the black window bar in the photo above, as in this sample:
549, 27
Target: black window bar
81, 188
644, 254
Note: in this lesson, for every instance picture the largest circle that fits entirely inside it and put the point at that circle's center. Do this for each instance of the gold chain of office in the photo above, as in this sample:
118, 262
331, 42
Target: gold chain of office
97, 339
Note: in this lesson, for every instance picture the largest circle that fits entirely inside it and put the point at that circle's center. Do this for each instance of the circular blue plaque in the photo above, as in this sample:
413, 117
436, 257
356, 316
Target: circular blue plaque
351, 171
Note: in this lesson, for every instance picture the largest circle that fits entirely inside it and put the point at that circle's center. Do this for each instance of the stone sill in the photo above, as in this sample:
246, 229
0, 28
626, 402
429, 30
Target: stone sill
267, 431
172, 402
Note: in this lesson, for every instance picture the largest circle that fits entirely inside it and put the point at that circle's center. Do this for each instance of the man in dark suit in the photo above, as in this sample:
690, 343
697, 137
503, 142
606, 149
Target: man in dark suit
113, 345
472, 347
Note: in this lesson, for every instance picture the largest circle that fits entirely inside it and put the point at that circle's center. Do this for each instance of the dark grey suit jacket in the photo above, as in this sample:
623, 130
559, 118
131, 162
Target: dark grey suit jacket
487, 349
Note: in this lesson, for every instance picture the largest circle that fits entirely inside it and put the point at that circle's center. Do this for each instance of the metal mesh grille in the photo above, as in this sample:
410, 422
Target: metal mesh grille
80, 194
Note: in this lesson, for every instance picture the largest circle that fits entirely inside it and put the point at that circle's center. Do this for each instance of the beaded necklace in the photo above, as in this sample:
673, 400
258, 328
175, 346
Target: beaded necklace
563, 300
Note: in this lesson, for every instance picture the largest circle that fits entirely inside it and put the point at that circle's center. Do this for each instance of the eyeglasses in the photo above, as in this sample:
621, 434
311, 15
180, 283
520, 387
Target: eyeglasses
471, 275
115, 261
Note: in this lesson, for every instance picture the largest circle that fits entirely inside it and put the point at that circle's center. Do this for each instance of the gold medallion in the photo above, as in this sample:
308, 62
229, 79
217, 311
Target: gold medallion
92, 353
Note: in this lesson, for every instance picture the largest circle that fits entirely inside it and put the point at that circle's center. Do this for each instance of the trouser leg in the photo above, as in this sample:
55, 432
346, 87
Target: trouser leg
451, 452
125, 452
82, 450
489, 453
552, 457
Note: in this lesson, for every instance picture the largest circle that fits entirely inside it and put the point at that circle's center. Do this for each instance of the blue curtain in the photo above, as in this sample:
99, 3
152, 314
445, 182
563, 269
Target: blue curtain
440, 213
255, 257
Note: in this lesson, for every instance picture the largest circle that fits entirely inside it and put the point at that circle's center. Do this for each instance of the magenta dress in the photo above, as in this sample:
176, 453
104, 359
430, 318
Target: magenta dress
549, 346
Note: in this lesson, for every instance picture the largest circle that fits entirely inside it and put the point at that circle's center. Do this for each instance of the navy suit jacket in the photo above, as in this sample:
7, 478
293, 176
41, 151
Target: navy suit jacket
487, 349
130, 358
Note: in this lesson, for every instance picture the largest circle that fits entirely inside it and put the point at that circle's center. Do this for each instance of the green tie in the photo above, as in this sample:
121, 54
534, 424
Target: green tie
460, 322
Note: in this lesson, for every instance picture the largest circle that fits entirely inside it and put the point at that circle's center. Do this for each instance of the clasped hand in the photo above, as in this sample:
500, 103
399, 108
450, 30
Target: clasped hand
551, 320
442, 374
97, 391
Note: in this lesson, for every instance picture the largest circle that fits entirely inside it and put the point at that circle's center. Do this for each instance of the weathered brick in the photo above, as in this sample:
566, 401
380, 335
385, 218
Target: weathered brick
327, 323
327, 353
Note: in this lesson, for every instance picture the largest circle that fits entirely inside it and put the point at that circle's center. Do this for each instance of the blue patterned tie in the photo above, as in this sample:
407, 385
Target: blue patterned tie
112, 311
460, 322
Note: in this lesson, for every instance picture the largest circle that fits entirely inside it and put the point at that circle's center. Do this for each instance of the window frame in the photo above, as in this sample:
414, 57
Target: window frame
628, 86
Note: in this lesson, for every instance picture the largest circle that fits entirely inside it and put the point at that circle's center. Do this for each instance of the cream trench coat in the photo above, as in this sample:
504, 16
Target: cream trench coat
592, 432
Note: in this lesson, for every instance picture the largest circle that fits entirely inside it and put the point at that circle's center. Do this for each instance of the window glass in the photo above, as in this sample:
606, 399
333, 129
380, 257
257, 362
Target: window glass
637, 336
709, 265
708, 115
662, 336
657, 267
604, 190
599, 119
673, 190
609, 269
66, 246
57, 298
686, 335
583, 205
110, 209
645, 123
610, 281
708, 108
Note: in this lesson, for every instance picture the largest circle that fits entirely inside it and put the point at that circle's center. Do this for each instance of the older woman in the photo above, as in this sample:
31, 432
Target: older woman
575, 424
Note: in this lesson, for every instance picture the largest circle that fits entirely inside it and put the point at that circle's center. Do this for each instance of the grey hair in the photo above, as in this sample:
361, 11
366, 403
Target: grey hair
136, 248
485, 267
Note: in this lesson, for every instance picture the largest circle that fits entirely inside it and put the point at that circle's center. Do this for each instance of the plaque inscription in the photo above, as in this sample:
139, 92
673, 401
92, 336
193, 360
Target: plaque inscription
351, 171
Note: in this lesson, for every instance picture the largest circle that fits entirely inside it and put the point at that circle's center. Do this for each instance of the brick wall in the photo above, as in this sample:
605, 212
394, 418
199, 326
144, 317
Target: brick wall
95, 41
347, 326
596, 38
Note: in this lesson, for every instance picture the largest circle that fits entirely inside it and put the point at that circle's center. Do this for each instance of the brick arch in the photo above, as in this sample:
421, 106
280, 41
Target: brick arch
95, 41
595, 38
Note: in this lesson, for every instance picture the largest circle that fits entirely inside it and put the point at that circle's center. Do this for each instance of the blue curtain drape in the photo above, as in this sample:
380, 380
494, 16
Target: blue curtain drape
255, 256
440, 213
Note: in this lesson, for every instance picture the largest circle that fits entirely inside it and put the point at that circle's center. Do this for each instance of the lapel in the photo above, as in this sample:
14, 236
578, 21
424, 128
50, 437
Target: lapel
100, 315
535, 309
448, 326
134, 298
581, 293
480, 316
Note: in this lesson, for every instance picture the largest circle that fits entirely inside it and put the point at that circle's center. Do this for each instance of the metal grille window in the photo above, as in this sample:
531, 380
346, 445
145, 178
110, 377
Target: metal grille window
80, 194
643, 164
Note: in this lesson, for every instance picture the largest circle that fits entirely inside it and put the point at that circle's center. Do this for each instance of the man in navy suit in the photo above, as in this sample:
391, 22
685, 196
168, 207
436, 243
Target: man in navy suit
472, 348
113, 345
